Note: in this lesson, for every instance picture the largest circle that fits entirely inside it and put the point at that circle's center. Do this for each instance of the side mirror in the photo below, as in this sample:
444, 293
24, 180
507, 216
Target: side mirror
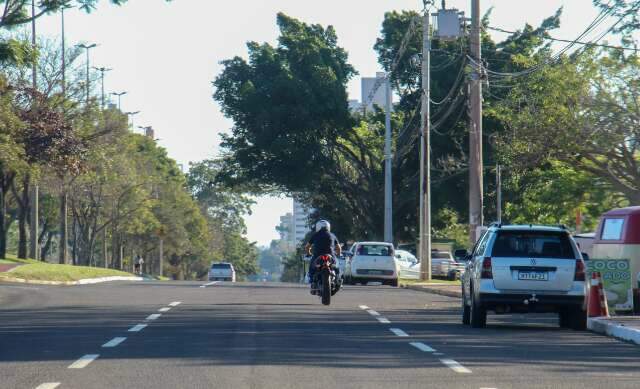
585, 257
462, 254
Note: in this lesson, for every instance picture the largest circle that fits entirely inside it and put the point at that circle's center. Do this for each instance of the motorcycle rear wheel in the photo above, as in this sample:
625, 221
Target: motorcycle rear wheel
326, 288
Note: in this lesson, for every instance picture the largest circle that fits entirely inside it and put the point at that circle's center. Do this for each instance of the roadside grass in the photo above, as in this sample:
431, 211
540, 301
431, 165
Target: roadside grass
42, 271
433, 281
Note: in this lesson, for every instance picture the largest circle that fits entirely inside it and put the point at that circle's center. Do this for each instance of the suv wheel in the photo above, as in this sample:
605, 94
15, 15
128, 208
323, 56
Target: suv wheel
466, 310
577, 318
478, 313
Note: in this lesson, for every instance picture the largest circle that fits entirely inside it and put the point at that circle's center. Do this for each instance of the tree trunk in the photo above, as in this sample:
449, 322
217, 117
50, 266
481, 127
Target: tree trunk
6, 181
64, 225
23, 216
74, 243
44, 251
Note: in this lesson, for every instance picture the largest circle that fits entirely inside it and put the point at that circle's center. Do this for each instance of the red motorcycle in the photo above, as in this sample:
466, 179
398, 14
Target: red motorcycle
325, 278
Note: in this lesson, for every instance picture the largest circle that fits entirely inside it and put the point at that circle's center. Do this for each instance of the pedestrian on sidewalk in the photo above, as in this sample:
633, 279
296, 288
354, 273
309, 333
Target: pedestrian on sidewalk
137, 265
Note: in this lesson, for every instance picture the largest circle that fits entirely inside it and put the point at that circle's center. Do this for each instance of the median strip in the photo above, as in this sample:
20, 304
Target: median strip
84, 361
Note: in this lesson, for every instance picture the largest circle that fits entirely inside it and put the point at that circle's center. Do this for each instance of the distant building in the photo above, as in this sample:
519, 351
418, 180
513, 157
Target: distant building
286, 230
367, 86
301, 213
355, 106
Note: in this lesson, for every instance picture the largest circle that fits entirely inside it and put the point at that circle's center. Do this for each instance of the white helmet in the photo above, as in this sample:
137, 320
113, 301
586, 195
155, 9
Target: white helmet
323, 224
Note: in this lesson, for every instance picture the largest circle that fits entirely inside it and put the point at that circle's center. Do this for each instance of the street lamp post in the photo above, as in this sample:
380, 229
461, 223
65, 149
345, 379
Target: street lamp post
102, 71
131, 115
119, 94
87, 47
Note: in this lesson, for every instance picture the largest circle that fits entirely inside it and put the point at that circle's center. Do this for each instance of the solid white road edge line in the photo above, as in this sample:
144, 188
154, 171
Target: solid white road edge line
137, 328
398, 332
210, 283
383, 320
372, 312
153, 316
84, 361
422, 347
175, 303
115, 341
363, 307
48, 385
455, 366
165, 309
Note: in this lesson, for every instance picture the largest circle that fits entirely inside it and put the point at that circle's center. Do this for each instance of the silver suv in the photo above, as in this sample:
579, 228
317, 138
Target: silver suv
523, 269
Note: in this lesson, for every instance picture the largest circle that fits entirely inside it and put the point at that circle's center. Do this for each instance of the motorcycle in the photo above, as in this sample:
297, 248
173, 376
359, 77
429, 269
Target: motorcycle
325, 280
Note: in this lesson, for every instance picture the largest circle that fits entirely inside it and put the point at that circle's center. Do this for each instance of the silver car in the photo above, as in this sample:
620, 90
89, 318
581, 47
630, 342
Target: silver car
523, 269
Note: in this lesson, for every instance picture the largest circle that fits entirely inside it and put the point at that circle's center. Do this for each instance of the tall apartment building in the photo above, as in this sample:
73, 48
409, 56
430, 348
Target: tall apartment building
367, 85
286, 229
301, 213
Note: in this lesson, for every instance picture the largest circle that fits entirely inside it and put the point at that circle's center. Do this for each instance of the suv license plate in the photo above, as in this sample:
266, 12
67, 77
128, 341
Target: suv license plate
533, 276
375, 272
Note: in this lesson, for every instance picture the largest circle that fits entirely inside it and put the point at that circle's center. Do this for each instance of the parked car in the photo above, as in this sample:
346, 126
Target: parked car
372, 261
408, 265
525, 269
222, 271
444, 265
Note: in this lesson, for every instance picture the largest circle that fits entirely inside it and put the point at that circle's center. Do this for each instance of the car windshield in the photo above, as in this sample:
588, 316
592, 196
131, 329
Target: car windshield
541, 244
374, 249
224, 266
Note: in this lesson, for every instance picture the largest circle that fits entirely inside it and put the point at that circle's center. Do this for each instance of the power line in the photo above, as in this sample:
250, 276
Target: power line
568, 40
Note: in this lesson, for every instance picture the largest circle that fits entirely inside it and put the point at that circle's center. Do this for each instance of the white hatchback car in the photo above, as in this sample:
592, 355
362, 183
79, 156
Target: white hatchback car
525, 269
372, 261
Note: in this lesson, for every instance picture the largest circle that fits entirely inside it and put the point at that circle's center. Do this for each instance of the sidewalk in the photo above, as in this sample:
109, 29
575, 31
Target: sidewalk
448, 290
621, 327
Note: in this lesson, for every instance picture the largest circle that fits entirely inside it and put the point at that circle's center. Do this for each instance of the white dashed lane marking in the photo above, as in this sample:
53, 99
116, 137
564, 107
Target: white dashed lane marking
114, 342
210, 284
84, 361
48, 385
364, 307
398, 332
383, 320
137, 328
153, 316
455, 366
175, 303
372, 312
165, 309
422, 347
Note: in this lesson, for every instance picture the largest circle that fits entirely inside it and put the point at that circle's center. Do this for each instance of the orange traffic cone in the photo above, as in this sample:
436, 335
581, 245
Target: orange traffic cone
604, 307
594, 304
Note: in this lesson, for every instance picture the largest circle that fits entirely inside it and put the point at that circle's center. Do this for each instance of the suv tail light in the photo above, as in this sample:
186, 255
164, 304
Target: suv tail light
579, 275
486, 272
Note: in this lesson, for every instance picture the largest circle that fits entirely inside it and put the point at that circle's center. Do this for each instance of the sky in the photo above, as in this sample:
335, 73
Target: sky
165, 55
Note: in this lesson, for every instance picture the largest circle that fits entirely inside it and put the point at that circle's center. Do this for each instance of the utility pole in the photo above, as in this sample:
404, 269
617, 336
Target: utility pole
119, 94
388, 191
34, 206
475, 128
160, 254
499, 193
87, 86
102, 71
64, 223
425, 154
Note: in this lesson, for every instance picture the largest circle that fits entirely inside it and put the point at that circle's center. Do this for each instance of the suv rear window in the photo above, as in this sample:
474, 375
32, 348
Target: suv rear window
374, 249
536, 244
224, 266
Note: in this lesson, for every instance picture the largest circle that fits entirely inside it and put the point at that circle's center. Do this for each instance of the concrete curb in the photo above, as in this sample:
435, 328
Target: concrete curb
425, 289
610, 328
87, 281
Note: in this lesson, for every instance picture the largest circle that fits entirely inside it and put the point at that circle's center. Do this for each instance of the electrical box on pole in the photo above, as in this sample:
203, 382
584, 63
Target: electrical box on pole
449, 24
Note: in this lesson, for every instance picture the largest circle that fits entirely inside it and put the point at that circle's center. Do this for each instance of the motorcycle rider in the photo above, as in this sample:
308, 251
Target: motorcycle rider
323, 242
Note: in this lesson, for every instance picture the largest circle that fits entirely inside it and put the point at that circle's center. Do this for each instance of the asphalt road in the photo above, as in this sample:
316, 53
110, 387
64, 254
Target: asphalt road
278, 336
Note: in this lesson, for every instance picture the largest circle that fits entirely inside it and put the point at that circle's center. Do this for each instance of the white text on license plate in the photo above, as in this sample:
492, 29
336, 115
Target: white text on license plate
533, 276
